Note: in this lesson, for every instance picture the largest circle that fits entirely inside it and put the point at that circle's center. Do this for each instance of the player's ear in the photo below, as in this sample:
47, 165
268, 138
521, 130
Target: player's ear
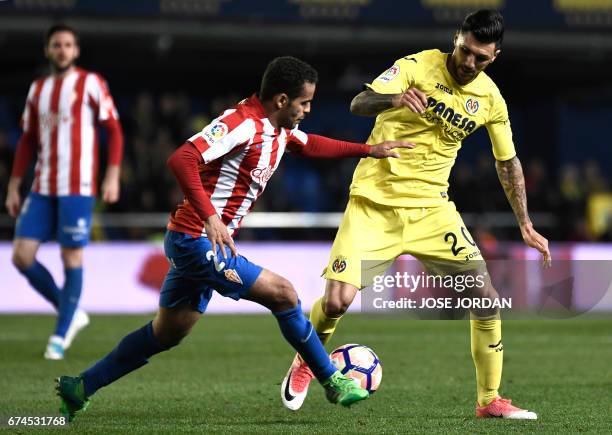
281, 100
495, 55
455, 38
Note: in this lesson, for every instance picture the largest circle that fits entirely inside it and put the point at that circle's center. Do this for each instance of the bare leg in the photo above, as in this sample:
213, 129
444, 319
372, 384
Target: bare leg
24, 259
277, 294
168, 328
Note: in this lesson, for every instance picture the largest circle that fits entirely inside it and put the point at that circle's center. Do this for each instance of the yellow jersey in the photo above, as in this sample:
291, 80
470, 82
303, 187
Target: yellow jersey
419, 177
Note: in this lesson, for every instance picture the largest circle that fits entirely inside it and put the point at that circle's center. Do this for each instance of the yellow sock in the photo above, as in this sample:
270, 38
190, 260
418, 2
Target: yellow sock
488, 356
325, 326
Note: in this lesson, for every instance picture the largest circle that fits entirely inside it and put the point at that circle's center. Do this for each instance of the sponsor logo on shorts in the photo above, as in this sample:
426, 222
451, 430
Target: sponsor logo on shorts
471, 106
339, 265
232, 275
471, 255
79, 231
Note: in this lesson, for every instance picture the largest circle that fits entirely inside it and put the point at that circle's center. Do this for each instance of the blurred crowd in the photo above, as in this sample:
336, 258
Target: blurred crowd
154, 125
559, 198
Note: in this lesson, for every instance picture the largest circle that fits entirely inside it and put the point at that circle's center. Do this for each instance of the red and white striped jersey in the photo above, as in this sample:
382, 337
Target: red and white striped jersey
241, 150
61, 113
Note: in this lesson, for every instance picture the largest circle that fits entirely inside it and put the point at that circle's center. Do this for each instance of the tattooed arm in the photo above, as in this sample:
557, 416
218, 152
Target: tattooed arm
510, 173
370, 103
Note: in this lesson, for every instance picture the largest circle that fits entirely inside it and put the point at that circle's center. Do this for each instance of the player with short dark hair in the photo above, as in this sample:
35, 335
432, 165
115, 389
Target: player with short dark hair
286, 74
486, 25
60, 119
222, 170
435, 100
60, 27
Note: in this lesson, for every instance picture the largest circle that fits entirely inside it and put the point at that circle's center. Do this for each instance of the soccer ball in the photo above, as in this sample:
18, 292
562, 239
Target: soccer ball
360, 363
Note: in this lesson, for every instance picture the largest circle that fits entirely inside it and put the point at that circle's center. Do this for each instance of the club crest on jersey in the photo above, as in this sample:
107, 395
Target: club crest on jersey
390, 74
471, 106
339, 265
215, 132
232, 275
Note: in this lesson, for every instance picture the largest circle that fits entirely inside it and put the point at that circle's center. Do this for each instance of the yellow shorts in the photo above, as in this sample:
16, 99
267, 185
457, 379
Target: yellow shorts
371, 236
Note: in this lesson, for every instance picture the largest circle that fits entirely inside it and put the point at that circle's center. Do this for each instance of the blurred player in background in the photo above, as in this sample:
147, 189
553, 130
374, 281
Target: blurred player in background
222, 170
401, 206
59, 126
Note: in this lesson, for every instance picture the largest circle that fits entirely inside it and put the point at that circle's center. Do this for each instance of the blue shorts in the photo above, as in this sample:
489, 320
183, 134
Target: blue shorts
193, 274
67, 218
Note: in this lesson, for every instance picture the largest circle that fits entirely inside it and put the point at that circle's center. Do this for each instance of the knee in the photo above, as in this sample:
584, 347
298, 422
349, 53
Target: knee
490, 294
22, 260
171, 325
170, 340
337, 299
335, 307
72, 257
285, 296
169, 337
169, 332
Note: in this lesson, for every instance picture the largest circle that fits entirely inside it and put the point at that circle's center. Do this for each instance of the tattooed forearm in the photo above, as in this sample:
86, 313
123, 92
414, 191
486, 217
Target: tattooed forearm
510, 175
370, 103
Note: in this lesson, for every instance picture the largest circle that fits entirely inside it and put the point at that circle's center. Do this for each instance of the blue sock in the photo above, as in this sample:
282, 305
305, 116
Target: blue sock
299, 332
132, 352
39, 277
69, 299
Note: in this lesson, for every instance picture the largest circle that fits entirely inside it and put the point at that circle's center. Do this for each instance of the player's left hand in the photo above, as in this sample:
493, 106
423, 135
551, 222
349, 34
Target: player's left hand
384, 150
535, 240
110, 185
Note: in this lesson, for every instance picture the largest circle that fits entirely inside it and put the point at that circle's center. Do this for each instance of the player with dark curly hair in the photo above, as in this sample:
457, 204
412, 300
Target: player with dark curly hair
222, 170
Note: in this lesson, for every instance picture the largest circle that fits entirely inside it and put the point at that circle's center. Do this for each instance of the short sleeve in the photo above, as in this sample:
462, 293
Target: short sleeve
221, 136
98, 91
500, 131
396, 79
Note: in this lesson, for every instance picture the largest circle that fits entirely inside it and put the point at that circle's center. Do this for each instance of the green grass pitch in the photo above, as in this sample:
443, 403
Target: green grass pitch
225, 378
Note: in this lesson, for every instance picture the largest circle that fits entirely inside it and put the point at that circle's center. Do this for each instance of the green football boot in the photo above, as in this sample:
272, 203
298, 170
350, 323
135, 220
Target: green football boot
71, 391
343, 390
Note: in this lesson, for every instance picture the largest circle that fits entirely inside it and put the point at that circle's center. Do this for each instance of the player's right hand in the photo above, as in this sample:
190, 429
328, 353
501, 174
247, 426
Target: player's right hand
218, 233
414, 99
13, 202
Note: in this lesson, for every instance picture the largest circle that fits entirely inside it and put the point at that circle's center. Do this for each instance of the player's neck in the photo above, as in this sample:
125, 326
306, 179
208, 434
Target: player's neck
271, 113
453, 72
60, 74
